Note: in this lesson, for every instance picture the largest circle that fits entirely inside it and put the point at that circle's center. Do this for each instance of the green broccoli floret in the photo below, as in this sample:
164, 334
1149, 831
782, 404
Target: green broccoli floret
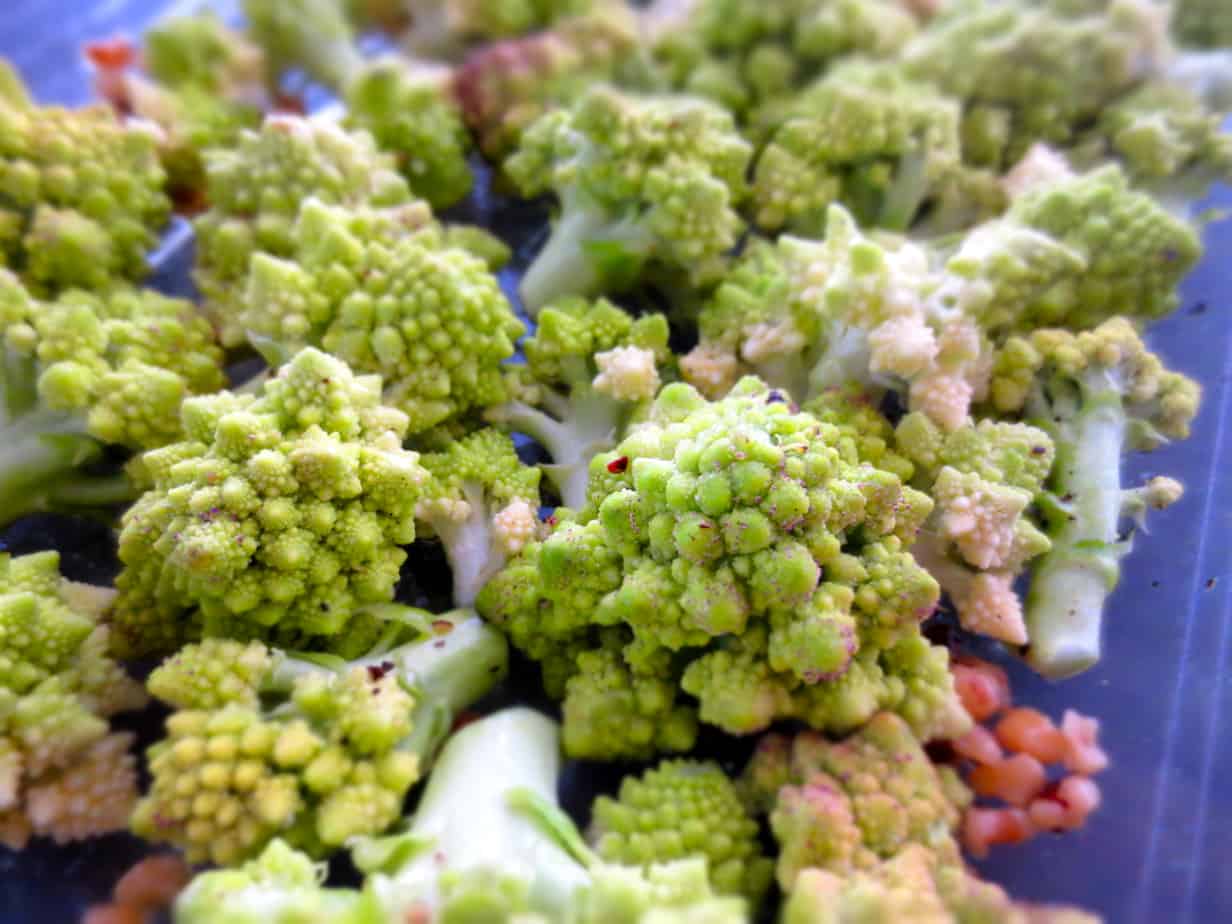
645, 184
312, 749
845, 805
278, 517
203, 83
64, 773
1202, 23
388, 296
683, 808
1029, 72
1099, 395
530, 864
913, 886
885, 146
505, 86
444, 28
984, 479
255, 191
81, 193
845, 311
590, 365
405, 106
483, 505
752, 57
85, 372
728, 551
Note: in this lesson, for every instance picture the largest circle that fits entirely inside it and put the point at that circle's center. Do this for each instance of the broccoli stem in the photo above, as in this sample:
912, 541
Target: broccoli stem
1072, 581
459, 661
577, 429
470, 546
472, 819
844, 362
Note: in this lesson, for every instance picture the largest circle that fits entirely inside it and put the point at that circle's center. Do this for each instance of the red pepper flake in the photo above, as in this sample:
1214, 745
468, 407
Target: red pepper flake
442, 626
113, 54
377, 671
616, 466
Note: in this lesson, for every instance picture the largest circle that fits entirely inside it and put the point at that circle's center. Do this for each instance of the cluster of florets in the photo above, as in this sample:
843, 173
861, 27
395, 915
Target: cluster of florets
728, 552
64, 773
278, 516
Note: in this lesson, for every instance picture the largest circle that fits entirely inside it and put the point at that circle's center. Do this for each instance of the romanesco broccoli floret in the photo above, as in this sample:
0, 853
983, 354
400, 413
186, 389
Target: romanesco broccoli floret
255, 191
64, 773
1029, 72
391, 297
482, 504
844, 311
645, 185
81, 193
846, 805
278, 517
530, 866
505, 86
915, 886
86, 371
590, 366
406, 107
984, 479
680, 809
444, 28
865, 434
312, 749
885, 146
1098, 394
728, 550
200, 83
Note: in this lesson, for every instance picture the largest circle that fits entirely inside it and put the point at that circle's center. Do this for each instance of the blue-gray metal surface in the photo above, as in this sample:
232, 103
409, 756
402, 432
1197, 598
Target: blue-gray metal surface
1159, 848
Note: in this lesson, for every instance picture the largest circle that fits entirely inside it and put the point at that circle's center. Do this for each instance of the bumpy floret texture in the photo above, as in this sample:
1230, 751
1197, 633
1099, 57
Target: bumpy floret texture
733, 542
278, 517
201, 51
229, 776
1202, 23
387, 296
255, 190
868, 137
124, 361
846, 805
642, 180
63, 773
683, 808
504, 87
1032, 72
915, 885
81, 193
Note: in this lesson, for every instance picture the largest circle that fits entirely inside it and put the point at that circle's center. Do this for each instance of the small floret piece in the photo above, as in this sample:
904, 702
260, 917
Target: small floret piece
984, 479
883, 145
388, 294
443, 28
313, 749
405, 105
255, 191
590, 366
1098, 394
530, 864
81, 193
729, 550
505, 86
1202, 23
278, 517
644, 184
483, 505
845, 805
87, 371
683, 808
63, 773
